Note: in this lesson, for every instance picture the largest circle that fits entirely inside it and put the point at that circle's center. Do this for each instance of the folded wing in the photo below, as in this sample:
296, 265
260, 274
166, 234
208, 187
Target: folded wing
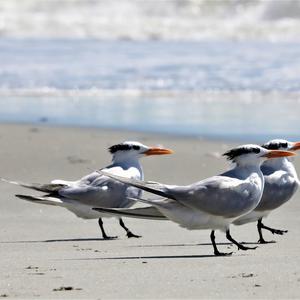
218, 195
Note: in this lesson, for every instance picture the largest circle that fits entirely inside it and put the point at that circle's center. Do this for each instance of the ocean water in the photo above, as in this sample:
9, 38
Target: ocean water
230, 90
215, 69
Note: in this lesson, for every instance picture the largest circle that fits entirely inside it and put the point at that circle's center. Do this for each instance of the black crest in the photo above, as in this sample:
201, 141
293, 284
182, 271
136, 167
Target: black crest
123, 147
232, 154
275, 145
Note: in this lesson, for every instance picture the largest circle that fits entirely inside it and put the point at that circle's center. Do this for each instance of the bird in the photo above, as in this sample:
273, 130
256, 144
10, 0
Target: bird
213, 203
95, 189
281, 183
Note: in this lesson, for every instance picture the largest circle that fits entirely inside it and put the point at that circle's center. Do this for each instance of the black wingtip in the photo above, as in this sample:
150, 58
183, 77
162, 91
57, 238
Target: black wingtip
26, 197
127, 214
138, 184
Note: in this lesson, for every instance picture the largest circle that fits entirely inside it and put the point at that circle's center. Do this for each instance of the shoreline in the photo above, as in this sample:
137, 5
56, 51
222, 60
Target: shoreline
206, 138
45, 124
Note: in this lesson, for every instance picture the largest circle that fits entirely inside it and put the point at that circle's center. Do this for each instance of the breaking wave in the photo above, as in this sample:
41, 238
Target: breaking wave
143, 20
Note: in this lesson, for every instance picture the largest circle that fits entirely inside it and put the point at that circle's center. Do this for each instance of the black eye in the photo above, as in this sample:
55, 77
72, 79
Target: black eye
135, 147
256, 150
284, 145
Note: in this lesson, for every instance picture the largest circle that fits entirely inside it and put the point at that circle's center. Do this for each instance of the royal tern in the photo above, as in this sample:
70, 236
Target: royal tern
281, 183
95, 189
213, 203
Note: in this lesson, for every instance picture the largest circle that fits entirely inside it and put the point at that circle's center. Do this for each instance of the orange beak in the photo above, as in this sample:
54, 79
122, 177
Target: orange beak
158, 151
296, 146
278, 153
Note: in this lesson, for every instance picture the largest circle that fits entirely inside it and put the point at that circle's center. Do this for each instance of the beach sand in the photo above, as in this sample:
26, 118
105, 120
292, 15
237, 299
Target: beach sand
47, 252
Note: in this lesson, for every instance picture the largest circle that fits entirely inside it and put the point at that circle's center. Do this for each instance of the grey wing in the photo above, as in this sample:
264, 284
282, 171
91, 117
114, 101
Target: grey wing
131, 193
88, 179
279, 188
103, 192
219, 195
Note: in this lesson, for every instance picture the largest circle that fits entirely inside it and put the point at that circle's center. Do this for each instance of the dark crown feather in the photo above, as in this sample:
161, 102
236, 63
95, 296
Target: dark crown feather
275, 145
233, 153
122, 147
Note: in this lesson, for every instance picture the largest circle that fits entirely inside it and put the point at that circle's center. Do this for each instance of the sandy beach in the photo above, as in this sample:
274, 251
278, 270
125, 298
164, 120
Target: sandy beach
46, 252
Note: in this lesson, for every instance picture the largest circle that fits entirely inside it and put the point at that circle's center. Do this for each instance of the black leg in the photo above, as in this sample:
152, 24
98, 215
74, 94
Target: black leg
128, 232
216, 251
105, 237
274, 231
239, 245
261, 226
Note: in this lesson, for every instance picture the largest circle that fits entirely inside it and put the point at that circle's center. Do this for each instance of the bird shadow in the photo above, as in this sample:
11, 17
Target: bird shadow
190, 245
148, 257
58, 241
177, 245
253, 243
132, 246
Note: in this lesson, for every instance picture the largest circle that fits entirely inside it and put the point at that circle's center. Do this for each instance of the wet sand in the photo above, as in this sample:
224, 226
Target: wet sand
46, 252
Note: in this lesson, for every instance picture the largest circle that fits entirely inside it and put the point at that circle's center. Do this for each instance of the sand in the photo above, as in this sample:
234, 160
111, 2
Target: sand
46, 252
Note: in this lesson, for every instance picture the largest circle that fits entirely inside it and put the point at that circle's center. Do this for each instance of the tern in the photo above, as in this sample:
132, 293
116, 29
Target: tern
281, 183
213, 203
92, 190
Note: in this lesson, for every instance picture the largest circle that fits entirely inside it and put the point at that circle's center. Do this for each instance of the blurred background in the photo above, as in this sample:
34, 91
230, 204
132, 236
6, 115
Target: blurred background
218, 69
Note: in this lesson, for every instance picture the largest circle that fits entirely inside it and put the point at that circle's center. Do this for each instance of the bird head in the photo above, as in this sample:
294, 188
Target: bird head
253, 154
135, 150
280, 144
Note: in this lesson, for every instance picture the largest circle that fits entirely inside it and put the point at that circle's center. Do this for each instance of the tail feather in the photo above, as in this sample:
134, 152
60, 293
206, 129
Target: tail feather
42, 200
47, 188
150, 186
150, 213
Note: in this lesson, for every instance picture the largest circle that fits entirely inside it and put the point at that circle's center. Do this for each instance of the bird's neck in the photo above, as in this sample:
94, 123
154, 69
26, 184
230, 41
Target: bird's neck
247, 169
248, 163
127, 163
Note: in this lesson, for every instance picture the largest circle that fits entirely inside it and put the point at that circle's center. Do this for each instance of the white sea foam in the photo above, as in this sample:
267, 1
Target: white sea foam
162, 19
33, 64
